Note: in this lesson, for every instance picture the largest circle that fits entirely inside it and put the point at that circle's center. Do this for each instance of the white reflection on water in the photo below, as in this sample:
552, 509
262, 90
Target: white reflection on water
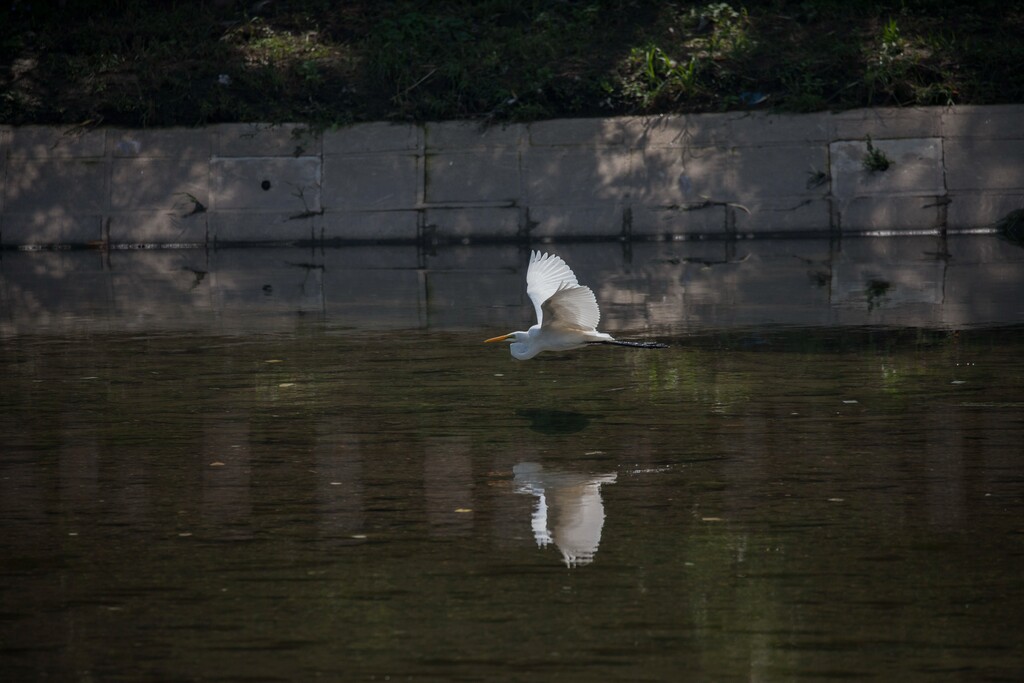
569, 511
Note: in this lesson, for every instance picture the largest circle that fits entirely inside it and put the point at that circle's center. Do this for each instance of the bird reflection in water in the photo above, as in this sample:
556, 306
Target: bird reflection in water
569, 511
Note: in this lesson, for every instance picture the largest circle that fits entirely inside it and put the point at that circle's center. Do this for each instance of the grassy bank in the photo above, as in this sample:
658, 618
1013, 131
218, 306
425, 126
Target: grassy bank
135, 63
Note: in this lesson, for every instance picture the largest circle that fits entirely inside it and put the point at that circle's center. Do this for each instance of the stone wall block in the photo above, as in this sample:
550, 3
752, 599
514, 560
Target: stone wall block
464, 222
886, 122
988, 165
157, 227
461, 135
367, 138
46, 142
810, 216
758, 129
701, 130
160, 183
775, 172
653, 220
361, 182
274, 184
916, 168
65, 185
981, 210
371, 225
896, 213
576, 176
161, 143
992, 122
488, 175
590, 133
5, 146
259, 139
564, 222
50, 227
681, 176
231, 226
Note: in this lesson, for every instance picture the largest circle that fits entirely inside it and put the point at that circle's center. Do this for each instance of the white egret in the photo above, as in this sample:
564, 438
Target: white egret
567, 312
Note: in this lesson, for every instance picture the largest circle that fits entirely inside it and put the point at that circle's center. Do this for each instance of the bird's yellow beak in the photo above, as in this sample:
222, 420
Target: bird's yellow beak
503, 337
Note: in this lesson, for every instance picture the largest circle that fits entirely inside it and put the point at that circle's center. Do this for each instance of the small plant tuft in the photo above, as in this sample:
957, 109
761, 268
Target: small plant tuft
875, 161
875, 290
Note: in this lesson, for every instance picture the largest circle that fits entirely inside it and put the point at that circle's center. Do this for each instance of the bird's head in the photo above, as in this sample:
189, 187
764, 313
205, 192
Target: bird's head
511, 336
520, 347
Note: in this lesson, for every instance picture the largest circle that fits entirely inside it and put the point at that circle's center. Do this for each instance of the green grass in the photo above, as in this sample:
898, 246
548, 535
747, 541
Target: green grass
875, 159
135, 63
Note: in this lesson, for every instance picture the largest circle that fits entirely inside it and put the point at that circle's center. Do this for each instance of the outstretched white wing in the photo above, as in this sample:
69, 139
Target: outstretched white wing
545, 275
572, 308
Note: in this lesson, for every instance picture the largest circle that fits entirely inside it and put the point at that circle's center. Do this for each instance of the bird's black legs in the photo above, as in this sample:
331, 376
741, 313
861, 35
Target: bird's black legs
632, 344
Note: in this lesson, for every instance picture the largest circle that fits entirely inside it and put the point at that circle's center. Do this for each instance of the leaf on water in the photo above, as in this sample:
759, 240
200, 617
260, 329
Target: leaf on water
711, 519
274, 360
463, 510
185, 534
286, 384
359, 536
850, 402
216, 463
835, 500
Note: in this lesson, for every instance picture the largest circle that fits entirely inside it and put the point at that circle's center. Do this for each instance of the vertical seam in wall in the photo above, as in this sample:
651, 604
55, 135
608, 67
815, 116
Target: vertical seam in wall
833, 219
5, 147
322, 220
421, 188
213, 141
421, 160
627, 201
943, 216
108, 189
523, 229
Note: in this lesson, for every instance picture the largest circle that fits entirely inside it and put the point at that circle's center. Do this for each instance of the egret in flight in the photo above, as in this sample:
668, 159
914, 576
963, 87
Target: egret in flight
567, 312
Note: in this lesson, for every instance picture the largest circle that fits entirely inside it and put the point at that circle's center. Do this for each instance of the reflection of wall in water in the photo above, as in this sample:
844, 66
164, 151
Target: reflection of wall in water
448, 486
339, 485
667, 287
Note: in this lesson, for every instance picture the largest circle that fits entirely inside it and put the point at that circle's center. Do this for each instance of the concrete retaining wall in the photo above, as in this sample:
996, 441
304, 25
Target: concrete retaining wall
956, 168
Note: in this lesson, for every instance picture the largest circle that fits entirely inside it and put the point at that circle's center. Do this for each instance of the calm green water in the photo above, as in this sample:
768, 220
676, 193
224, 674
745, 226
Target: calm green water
330, 502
